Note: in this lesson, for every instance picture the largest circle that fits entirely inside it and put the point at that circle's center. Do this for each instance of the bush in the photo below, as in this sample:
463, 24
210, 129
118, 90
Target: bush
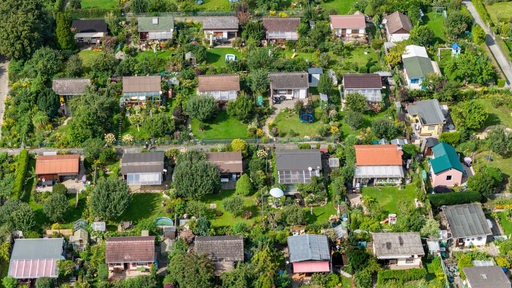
304, 146
453, 198
244, 185
401, 276
59, 189
21, 173
452, 138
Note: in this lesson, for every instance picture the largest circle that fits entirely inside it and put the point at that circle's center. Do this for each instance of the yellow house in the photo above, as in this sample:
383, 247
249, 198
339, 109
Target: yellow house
426, 117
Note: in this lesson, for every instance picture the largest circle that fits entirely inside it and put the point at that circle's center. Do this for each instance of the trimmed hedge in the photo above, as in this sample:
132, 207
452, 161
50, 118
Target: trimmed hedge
453, 198
401, 276
21, 173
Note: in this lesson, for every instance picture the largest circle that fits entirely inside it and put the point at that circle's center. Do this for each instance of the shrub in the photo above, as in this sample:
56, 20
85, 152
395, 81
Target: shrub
59, 189
452, 138
244, 185
453, 198
21, 173
401, 276
304, 146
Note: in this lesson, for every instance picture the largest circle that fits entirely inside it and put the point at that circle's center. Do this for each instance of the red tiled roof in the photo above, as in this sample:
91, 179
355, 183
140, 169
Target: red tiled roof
58, 164
130, 249
378, 155
348, 21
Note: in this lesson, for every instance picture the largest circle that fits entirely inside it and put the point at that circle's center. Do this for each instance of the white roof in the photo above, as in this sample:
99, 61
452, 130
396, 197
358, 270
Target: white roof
379, 172
414, 51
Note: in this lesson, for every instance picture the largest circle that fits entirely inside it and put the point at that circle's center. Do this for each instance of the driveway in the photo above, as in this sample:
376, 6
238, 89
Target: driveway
491, 43
4, 89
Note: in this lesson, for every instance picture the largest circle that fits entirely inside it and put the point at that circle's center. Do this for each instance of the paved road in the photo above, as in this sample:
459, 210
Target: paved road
4, 88
491, 43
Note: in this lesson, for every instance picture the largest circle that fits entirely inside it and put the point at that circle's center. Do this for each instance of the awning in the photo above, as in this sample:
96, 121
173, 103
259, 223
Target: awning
31, 269
379, 172
311, 267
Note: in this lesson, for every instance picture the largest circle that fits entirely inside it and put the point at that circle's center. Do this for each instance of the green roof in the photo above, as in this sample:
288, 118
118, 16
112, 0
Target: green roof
445, 158
418, 67
155, 24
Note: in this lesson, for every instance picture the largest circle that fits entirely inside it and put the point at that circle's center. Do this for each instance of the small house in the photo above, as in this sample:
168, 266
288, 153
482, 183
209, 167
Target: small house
398, 250
139, 89
298, 166
486, 277
89, 31
291, 85
155, 28
143, 168
309, 253
349, 27
427, 117
230, 164
66, 87
398, 27
378, 165
314, 76
79, 240
224, 251
467, 224
36, 258
417, 66
130, 253
220, 29
368, 85
445, 167
51, 169
222, 87
281, 29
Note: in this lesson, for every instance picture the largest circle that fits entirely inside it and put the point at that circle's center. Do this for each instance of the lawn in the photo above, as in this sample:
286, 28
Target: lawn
149, 53
227, 219
87, 57
222, 127
144, 206
286, 121
341, 6
506, 225
500, 10
389, 196
214, 5
71, 215
435, 21
217, 56
321, 214
499, 115
100, 4
360, 56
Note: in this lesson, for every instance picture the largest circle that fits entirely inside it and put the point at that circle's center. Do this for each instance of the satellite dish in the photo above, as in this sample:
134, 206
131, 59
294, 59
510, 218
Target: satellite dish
276, 192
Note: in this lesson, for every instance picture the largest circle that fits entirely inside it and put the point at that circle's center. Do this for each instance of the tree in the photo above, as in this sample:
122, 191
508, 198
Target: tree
240, 145
242, 108
422, 35
56, 206
138, 6
24, 27
384, 128
253, 30
10, 282
234, 205
258, 81
75, 4
430, 228
241, 276
470, 115
356, 102
488, 181
63, 31
93, 147
244, 185
190, 270
354, 119
45, 63
74, 66
17, 215
48, 102
325, 84
44, 282
201, 107
110, 198
478, 34
195, 177
394, 56
457, 23
294, 215
260, 58
158, 125
471, 68
500, 142
410, 151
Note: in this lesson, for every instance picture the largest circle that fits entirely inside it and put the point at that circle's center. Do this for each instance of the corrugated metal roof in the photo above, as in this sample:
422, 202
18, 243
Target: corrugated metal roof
308, 247
220, 82
33, 249
365, 80
142, 84
466, 220
378, 155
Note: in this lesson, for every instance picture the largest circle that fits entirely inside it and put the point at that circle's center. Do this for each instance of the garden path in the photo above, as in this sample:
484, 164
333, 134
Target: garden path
4, 88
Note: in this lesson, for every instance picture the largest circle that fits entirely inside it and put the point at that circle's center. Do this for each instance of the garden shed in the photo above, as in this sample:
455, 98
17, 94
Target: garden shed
143, 168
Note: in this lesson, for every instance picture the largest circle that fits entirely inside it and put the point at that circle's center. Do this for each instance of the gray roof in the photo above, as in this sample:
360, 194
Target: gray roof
36, 249
70, 86
230, 248
315, 71
341, 231
485, 277
298, 159
466, 220
142, 162
393, 245
220, 23
307, 247
146, 24
289, 80
429, 111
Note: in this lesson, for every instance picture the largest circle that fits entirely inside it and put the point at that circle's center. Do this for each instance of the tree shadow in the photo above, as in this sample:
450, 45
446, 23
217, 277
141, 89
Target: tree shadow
212, 57
492, 119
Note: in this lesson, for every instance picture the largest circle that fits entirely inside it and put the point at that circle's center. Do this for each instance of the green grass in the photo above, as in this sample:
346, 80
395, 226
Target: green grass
435, 21
388, 196
222, 127
87, 57
144, 206
227, 218
320, 214
506, 224
149, 53
286, 121
73, 214
341, 6
500, 10
499, 115
101, 4
217, 56
215, 5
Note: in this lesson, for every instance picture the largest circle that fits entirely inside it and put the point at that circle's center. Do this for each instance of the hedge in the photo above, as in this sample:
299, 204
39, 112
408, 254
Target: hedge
453, 198
401, 276
21, 173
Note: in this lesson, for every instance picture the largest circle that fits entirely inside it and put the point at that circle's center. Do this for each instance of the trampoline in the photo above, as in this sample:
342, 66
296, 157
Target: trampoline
163, 222
307, 115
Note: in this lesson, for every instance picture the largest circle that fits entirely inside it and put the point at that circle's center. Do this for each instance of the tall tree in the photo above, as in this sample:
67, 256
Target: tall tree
422, 35
356, 102
24, 27
110, 198
194, 177
500, 142
470, 115
17, 215
190, 270
56, 206
384, 128
457, 23
325, 84
258, 81
74, 66
242, 108
63, 31
201, 107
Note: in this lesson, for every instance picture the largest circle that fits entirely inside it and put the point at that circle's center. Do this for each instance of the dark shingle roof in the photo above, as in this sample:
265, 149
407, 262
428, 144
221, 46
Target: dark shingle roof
429, 111
220, 23
219, 82
354, 81
272, 24
307, 247
445, 158
392, 245
130, 249
397, 21
70, 86
466, 220
418, 67
89, 26
155, 24
289, 80
142, 162
230, 248
142, 84
298, 159
226, 162
486, 277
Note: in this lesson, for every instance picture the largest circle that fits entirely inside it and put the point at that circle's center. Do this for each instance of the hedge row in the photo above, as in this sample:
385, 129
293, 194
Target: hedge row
21, 173
453, 198
401, 276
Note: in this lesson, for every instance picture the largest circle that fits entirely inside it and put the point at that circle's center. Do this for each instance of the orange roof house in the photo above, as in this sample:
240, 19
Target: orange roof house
53, 167
378, 164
